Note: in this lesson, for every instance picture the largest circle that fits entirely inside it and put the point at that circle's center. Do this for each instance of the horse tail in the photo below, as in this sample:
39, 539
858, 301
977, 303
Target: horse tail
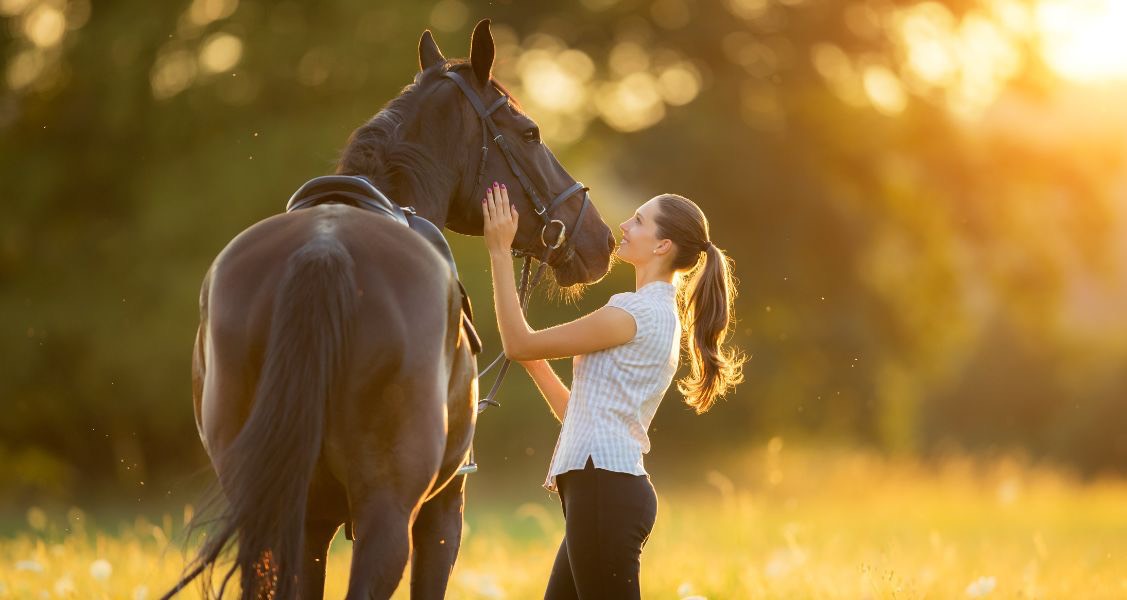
267, 470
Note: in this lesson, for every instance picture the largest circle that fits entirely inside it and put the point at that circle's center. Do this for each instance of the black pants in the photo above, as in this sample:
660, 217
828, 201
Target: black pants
608, 517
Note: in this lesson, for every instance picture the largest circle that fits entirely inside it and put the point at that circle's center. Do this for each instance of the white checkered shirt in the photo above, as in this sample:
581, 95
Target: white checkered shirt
615, 392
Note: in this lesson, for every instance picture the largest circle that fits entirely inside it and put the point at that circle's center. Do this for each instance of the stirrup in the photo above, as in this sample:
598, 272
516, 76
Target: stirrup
469, 467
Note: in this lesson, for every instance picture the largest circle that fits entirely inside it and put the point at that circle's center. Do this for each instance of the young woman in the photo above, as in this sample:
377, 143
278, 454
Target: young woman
626, 354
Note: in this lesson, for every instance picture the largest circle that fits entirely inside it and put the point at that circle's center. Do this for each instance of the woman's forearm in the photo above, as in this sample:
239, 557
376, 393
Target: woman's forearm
513, 327
550, 386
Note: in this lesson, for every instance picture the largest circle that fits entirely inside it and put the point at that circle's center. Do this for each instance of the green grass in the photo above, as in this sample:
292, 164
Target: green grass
769, 524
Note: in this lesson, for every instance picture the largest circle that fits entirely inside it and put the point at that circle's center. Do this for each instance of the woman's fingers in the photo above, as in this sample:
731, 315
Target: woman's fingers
501, 194
495, 204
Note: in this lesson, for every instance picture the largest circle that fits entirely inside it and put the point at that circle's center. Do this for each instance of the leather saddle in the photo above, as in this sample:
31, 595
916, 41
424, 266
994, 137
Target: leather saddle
358, 191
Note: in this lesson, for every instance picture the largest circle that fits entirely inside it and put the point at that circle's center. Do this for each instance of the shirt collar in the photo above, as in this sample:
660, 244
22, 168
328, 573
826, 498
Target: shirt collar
658, 287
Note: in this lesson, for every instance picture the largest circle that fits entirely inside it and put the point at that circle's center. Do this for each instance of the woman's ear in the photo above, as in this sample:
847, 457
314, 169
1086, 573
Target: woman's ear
663, 247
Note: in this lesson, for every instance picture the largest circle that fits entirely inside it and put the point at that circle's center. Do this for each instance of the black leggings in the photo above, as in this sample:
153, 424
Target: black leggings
608, 517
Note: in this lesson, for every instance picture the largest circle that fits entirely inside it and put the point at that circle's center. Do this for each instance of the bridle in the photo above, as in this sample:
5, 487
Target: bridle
489, 131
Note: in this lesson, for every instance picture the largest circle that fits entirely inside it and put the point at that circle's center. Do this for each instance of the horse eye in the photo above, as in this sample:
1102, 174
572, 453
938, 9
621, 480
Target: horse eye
532, 135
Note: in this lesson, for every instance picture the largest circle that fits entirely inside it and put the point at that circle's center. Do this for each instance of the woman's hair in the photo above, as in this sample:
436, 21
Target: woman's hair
704, 301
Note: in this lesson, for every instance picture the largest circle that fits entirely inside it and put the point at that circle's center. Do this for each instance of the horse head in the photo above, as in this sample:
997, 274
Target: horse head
454, 131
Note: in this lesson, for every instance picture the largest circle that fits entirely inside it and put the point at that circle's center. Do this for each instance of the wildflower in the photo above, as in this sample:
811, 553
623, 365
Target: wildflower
29, 565
685, 591
782, 562
484, 584
64, 586
101, 569
981, 586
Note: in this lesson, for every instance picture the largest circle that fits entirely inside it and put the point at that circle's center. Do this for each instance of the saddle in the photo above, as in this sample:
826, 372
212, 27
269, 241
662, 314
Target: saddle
358, 191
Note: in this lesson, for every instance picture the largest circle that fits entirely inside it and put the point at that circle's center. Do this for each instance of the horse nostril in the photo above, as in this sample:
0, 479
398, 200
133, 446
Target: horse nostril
610, 241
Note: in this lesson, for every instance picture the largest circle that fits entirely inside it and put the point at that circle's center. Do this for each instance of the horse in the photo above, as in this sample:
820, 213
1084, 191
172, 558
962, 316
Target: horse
332, 379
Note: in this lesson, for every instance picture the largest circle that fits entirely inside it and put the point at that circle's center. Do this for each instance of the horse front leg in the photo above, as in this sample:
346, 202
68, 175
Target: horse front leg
437, 535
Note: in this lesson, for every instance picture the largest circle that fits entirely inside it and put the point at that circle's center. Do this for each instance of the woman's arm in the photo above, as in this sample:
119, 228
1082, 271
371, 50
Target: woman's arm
550, 386
604, 328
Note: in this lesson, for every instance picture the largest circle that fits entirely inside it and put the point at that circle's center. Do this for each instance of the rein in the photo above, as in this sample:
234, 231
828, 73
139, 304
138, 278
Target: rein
490, 131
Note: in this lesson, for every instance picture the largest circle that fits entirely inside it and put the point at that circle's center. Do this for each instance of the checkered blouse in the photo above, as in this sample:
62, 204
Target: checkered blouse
615, 392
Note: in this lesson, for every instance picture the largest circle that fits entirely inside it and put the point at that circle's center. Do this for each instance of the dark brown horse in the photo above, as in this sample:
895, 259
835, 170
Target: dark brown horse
332, 379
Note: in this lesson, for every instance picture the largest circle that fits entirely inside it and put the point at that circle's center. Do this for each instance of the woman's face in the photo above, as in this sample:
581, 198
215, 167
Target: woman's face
639, 236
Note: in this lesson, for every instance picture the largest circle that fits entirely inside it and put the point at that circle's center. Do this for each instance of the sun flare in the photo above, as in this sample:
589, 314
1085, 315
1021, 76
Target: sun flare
1084, 40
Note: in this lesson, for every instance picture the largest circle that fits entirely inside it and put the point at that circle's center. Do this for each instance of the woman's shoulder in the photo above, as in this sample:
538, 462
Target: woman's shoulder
626, 299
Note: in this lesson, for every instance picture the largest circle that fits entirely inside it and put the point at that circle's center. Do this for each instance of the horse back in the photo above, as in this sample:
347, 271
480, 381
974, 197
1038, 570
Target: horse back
407, 324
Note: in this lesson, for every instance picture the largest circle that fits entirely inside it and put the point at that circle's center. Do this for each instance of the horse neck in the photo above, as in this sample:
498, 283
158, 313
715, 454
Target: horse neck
429, 194
432, 205
404, 174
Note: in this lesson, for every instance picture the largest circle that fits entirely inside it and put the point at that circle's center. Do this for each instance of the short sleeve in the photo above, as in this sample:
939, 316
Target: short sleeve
636, 306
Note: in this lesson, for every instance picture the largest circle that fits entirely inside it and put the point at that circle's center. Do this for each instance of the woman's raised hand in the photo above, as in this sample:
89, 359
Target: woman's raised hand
500, 219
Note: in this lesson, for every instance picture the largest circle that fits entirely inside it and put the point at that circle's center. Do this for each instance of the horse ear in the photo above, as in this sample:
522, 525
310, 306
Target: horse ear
482, 51
429, 54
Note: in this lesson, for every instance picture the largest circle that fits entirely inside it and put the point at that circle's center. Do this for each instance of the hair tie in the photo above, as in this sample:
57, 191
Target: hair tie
708, 245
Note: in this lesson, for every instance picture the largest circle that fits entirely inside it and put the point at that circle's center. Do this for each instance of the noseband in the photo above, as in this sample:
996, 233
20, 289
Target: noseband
489, 131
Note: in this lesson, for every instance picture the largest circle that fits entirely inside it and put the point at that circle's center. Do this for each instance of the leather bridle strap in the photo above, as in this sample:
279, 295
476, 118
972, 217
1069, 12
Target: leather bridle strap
524, 290
486, 115
488, 129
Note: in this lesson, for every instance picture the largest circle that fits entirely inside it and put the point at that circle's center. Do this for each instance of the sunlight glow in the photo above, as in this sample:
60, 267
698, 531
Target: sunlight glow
748, 9
173, 72
13, 7
551, 83
927, 33
24, 69
631, 104
565, 90
1084, 40
628, 57
45, 25
449, 15
202, 12
884, 90
679, 84
221, 52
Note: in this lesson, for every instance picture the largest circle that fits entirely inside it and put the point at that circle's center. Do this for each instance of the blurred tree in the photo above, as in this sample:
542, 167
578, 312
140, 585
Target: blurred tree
927, 222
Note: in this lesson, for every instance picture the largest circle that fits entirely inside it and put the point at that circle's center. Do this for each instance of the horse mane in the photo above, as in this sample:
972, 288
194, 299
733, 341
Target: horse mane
379, 150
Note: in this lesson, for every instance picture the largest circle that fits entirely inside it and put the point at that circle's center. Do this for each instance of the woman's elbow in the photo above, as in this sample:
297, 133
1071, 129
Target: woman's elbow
519, 355
519, 351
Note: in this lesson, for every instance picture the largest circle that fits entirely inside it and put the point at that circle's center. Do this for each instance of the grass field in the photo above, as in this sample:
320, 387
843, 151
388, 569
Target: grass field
771, 524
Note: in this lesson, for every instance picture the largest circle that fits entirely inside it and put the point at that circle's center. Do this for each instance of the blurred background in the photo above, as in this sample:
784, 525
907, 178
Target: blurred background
926, 203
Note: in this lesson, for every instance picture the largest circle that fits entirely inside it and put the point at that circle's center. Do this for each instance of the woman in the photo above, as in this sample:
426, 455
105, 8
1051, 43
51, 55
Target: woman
626, 354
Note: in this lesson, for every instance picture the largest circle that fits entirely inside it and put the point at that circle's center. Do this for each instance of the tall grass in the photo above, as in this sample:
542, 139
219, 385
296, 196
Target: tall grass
767, 524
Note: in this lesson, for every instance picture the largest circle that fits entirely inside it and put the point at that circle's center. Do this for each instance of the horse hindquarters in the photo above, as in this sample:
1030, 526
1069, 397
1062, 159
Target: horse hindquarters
265, 472
388, 436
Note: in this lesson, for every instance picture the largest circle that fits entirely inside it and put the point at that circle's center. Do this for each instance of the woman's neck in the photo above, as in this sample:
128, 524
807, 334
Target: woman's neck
650, 273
